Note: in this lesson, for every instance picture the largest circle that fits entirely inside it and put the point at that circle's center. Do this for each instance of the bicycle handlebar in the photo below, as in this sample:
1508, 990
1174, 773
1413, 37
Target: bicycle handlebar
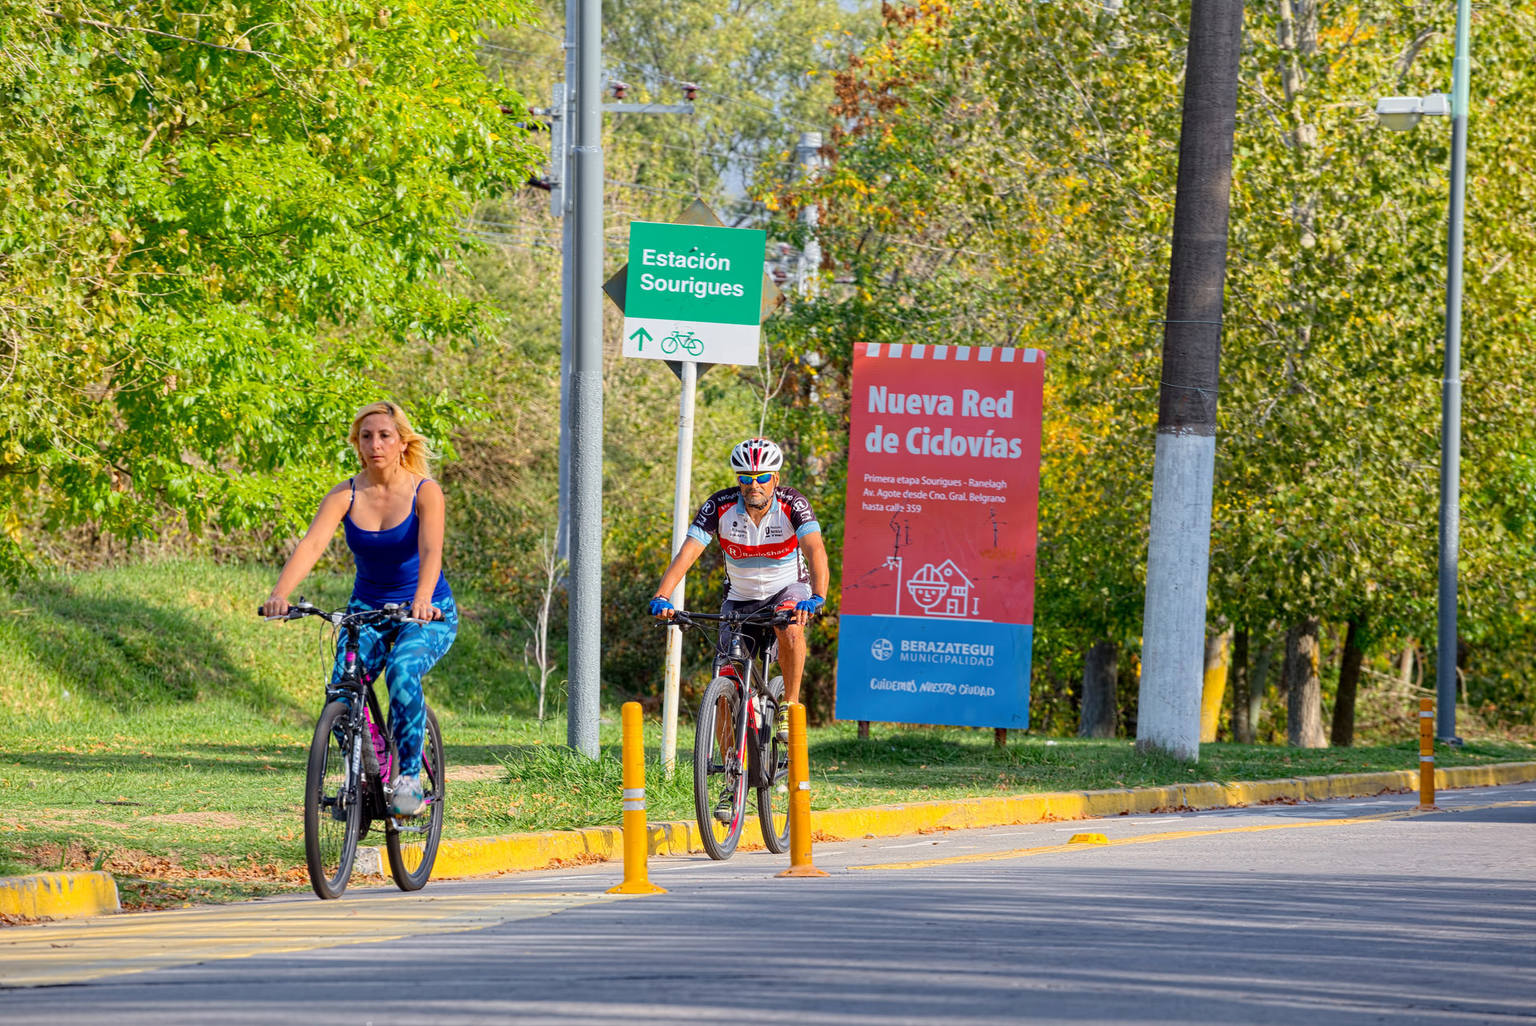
396, 611
748, 618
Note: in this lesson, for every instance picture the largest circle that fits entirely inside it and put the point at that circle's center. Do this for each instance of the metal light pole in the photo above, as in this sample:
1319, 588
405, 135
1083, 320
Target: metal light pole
586, 391
1401, 113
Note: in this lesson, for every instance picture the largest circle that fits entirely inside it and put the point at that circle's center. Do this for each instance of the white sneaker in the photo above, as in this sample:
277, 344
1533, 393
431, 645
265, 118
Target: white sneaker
407, 797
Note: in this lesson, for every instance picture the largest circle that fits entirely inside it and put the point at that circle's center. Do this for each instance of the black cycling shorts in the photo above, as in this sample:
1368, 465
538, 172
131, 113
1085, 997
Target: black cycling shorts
757, 637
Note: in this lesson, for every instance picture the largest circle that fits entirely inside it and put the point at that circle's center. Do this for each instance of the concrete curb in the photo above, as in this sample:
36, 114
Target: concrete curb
58, 895
482, 856
62, 895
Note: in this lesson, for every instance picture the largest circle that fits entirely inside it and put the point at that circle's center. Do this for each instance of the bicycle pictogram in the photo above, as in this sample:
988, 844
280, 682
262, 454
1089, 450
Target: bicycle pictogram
687, 340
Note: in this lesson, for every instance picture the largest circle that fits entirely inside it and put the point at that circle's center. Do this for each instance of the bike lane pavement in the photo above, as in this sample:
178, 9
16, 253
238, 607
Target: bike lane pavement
90, 950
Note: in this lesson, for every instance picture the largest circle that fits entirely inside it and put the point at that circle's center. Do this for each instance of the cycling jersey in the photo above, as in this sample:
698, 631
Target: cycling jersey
761, 559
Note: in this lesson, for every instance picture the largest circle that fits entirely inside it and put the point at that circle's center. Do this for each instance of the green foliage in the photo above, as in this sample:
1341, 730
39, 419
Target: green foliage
762, 76
1005, 174
215, 227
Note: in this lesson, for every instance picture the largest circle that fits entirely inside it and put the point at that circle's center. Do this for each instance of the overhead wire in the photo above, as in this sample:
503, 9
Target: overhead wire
740, 158
544, 58
789, 119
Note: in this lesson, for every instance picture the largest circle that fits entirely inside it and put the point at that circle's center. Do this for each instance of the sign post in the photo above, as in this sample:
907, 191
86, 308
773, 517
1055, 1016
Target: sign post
692, 293
938, 588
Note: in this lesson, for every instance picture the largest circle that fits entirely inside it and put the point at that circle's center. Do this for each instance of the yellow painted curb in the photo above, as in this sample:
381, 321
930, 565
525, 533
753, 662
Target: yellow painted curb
489, 855
58, 895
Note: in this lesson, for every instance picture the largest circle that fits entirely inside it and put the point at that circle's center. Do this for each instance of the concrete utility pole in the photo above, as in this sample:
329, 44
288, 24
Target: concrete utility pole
586, 390
576, 197
561, 204
1178, 554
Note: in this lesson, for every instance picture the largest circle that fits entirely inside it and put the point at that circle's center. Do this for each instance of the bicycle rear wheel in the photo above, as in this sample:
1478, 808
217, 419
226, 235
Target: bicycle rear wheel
717, 772
332, 809
773, 797
413, 848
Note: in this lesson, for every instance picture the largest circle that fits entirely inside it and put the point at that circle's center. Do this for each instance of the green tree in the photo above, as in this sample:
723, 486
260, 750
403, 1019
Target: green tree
763, 73
216, 226
1033, 145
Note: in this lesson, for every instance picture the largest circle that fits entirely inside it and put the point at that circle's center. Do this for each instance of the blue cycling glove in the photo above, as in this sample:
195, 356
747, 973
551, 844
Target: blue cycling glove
812, 604
659, 605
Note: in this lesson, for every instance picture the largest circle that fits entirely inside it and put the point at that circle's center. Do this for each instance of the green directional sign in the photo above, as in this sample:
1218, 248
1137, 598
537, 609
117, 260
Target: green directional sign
693, 292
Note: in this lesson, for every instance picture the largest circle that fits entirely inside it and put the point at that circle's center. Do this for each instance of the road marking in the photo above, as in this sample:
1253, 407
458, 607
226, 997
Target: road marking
1171, 835
70, 952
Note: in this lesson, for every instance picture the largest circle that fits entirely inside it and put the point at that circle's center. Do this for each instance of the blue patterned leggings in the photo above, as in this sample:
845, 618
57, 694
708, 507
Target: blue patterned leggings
404, 652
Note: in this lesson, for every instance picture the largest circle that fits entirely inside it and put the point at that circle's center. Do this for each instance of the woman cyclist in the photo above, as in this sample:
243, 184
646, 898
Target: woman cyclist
393, 516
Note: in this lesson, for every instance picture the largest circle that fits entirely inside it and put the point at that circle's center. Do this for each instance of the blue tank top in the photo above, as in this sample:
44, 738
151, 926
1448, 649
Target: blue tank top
388, 561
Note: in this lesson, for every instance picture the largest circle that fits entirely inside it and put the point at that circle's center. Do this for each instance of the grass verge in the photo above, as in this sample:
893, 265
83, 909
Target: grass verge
150, 725
206, 806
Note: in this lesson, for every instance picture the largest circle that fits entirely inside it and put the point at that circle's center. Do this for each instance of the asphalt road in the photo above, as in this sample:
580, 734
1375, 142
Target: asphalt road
1362, 911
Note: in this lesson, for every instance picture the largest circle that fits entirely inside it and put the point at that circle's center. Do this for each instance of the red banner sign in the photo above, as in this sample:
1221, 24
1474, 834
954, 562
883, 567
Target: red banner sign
939, 545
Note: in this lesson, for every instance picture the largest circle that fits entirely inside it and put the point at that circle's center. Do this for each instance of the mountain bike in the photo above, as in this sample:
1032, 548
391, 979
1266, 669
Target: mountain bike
351, 763
735, 746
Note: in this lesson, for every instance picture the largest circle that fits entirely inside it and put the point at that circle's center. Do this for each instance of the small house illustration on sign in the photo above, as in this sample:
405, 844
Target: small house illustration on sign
943, 590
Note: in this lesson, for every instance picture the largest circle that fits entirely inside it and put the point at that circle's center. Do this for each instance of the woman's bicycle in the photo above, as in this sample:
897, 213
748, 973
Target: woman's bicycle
735, 746
351, 763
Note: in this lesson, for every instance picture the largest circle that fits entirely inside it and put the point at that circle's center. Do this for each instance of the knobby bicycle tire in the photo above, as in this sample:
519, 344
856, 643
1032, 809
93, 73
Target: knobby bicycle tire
720, 839
774, 821
330, 840
411, 855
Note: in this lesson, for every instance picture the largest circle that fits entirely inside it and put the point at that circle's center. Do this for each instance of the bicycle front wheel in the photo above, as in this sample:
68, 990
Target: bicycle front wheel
413, 848
719, 780
332, 806
773, 797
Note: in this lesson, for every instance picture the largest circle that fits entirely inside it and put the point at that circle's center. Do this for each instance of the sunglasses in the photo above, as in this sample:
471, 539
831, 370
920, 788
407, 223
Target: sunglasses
759, 478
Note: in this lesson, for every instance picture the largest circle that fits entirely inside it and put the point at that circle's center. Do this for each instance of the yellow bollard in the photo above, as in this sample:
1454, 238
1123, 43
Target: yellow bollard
799, 798
1426, 753
635, 839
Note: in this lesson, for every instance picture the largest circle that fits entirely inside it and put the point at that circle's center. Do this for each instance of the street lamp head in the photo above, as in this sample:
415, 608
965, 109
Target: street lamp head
1401, 113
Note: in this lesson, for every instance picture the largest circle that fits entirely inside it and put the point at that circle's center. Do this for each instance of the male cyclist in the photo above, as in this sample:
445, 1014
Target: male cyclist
773, 557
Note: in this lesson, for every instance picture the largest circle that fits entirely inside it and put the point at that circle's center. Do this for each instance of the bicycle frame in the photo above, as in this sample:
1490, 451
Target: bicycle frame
748, 718
362, 701
748, 669
348, 777
364, 710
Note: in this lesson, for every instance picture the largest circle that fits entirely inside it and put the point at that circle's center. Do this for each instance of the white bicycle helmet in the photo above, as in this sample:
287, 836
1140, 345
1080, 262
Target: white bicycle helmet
756, 456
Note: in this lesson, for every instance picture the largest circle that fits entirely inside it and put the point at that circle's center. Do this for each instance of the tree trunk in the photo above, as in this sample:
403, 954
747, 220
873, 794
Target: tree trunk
1258, 686
1258, 681
1297, 39
1304, 687
1100, 679
1218, 650
1242, 723
1343, 733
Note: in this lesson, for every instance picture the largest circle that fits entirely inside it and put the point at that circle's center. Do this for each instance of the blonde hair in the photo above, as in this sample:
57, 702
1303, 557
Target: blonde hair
417, 453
